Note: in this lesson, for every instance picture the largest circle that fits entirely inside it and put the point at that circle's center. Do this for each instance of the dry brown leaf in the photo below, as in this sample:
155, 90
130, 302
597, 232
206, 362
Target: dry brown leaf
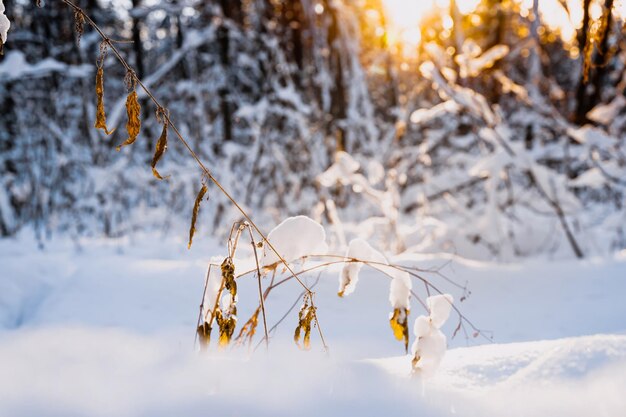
194, 215
226, 325
133, 125
305, 321
161, 146
101, 119
249, 328
204, 334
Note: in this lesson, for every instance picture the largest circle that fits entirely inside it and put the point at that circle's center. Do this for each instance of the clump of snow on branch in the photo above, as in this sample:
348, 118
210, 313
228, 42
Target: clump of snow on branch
400, 289
429, 346
472, 61
343, 168
5, 23
294, 238
357, 249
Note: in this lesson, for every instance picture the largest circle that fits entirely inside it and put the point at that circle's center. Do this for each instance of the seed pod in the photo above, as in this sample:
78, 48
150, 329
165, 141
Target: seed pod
399, 322
133, 125
194, 214
101, 119
161, 146
79, 22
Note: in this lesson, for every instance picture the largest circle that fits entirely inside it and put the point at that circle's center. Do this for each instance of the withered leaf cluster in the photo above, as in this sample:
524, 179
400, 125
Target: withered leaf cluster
399, 322
227, 320
306, 317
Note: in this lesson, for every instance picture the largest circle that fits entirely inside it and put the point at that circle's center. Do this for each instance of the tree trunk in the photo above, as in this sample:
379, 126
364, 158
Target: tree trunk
600, 64
579, 114
137, 45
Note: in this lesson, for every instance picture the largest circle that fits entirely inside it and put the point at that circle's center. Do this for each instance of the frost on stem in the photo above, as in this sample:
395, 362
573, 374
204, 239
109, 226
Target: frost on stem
430, 343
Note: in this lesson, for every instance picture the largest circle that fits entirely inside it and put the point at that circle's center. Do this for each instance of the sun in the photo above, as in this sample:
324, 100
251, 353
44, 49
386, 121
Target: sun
404, 17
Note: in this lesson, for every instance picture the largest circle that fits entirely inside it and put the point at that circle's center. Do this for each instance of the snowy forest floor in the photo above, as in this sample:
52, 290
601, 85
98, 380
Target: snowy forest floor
107, 329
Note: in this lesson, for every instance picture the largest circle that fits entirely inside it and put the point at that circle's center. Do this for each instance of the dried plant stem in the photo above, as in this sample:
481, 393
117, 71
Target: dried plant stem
295, 303
205, 170
206, 284
258, 270
376, 265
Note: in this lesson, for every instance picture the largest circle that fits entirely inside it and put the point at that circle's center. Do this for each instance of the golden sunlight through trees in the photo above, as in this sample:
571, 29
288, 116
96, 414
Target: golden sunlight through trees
405, 18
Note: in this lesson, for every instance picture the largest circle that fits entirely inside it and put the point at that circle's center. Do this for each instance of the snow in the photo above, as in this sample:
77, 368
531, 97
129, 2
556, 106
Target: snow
14, 66
213, 285
606, 113
340, 171
106, 328
357, 249
439, 307
424, 115
294, 238
430, 345
5, 24
428, 348
471, 65
591, 136
591, 178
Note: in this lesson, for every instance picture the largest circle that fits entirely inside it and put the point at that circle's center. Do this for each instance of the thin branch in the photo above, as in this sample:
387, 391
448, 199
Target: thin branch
258, 269
195, 156
295, 303
206, 284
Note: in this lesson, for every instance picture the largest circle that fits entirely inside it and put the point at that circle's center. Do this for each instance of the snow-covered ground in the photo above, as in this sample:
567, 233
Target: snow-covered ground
106, 328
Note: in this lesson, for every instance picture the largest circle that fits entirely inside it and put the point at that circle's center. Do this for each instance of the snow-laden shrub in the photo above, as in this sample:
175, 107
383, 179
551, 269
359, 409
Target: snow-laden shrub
298, 246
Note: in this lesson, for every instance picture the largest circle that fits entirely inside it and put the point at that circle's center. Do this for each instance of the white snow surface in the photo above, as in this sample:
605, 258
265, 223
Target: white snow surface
106, 328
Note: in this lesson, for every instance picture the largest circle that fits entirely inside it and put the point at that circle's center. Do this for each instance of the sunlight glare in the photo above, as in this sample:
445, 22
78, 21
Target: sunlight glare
405, 16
